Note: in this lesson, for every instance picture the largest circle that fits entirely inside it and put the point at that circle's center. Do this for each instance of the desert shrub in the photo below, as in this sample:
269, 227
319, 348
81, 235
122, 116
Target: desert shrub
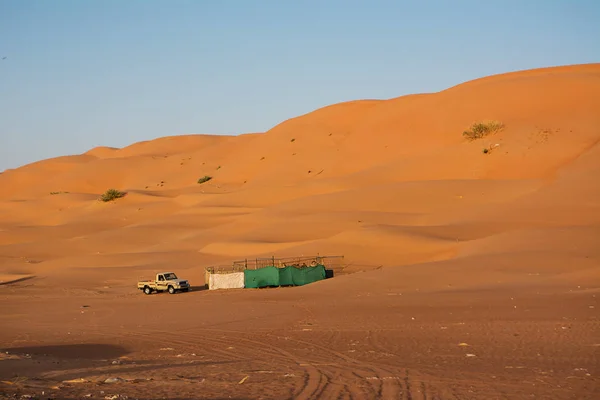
205, 178
481, 129
111, 194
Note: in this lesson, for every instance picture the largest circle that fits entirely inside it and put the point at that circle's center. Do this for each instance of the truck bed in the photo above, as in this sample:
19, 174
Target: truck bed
149, 282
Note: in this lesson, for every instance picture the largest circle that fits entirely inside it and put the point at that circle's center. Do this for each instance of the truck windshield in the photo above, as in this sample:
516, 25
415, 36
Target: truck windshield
170, 276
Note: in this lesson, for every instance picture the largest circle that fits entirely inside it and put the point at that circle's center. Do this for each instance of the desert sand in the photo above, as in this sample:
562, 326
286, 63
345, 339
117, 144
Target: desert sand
466, 275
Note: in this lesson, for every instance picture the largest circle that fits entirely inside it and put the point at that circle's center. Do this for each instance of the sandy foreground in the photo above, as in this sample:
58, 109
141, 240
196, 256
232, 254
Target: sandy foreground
377, 340
466, 274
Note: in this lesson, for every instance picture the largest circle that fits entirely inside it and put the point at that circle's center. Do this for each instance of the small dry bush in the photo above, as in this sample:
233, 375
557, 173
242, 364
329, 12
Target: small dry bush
111, 194
481, 129
205, 178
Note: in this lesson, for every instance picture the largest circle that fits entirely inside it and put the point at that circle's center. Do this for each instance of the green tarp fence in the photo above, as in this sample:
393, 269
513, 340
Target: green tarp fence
287, 276
262, 277
292, 276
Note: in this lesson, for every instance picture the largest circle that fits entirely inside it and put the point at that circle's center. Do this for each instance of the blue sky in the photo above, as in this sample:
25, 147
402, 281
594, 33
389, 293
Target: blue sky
80, 74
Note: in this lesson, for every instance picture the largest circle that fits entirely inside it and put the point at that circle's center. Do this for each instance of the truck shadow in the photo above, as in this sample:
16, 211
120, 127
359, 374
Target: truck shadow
192, 289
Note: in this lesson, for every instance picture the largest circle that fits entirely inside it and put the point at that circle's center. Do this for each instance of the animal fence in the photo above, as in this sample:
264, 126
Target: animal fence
335, 263
330, 262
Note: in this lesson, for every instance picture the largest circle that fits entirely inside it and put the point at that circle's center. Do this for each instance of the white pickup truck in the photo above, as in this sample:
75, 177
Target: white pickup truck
164, 281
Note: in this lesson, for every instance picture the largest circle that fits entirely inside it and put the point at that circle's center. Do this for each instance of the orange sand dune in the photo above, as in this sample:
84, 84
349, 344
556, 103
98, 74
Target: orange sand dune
403, 158
429, 224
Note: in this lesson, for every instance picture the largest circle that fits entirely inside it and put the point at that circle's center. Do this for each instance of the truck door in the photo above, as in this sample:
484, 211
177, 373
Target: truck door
161, 284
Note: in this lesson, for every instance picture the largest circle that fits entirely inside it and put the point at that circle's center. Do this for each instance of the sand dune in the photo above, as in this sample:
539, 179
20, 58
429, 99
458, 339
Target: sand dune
393, 185
345, 162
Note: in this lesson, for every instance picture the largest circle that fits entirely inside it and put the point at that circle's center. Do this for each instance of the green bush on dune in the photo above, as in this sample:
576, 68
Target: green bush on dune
111, 194
205, 178
481, 129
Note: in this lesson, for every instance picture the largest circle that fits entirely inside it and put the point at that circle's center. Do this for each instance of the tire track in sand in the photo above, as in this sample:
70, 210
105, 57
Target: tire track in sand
313, 384
326, 382
394, 382
328, 374
316, 383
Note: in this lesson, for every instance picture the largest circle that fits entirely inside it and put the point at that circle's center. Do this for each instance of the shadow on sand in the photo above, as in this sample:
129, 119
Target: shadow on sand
80, 361
192, 290
72, 351
17, 280
140, 368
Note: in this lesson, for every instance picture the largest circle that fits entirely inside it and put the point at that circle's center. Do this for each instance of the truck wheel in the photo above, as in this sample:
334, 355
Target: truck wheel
171, 289
147, 290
